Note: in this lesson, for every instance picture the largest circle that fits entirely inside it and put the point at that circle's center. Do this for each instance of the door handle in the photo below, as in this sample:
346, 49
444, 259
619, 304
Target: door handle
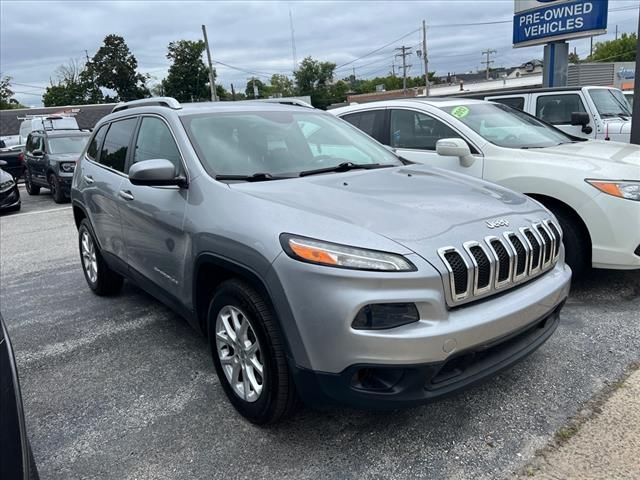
126, 194
88, 179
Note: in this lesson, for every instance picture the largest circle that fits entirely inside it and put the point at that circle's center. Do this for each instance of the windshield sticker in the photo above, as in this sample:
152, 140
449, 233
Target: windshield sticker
460, 112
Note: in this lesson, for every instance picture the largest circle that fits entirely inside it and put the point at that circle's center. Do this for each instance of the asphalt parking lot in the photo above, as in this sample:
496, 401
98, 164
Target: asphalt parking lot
123, 388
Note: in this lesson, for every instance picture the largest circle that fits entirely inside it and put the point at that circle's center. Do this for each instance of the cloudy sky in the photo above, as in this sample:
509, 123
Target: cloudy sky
255, 37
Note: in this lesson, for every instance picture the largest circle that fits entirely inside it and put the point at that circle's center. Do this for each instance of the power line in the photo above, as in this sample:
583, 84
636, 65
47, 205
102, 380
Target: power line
378, 49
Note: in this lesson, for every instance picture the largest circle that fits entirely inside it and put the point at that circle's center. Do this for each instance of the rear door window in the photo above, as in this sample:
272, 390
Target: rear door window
370, 122
513, 102
116, 144
96, 142
557, 109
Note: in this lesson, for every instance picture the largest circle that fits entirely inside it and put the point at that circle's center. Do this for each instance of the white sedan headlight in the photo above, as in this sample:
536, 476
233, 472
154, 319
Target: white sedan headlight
628, 189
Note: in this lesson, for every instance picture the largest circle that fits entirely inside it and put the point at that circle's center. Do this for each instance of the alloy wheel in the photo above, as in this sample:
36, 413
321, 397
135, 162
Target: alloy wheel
89, 259
239, 352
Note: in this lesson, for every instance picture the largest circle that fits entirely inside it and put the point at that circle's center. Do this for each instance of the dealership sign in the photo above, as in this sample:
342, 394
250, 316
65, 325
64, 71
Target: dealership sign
544, 21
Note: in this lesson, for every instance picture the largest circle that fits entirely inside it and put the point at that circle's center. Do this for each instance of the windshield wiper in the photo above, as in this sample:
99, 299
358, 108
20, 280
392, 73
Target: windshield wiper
256, 177
344, 167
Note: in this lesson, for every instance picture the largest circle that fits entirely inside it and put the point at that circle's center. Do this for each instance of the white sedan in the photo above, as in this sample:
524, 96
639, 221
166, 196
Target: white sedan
592, 186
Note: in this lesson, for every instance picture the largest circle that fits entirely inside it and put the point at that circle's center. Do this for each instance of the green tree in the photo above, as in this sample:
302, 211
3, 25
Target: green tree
188, 78
115, 68
313, 78
70, 88
282, 86
263, 91
7, 102
222, 93
573, 58
620, 50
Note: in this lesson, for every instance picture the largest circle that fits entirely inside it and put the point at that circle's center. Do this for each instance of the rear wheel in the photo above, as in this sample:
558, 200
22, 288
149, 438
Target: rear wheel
249, 354
100, 278
56, 189
28, 184
577, 247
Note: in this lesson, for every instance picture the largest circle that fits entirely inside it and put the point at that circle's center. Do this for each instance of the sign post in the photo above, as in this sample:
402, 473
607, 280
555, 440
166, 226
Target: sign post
551, 22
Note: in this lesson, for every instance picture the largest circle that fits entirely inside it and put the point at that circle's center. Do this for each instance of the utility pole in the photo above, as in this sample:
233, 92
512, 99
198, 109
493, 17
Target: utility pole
212, 82
404, 52
354, 74
293, 43
616, 32
233, 93
393, 69
425, 58
591, 49
488, 62
635, 120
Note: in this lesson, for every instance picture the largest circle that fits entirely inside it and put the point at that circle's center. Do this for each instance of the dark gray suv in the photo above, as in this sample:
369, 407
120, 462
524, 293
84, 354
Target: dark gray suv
319, 265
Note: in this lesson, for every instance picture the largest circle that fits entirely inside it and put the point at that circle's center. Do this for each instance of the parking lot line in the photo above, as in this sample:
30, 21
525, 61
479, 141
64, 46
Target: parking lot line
39, 211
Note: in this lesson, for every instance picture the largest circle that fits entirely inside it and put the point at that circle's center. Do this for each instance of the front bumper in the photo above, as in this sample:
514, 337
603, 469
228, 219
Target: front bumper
65, 183
389, 387
328, 352
614, 227
10, 198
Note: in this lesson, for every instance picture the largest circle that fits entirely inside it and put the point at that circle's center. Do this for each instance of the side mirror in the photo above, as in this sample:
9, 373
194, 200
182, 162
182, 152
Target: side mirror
37, 153
455, 147
580, 118
156, 173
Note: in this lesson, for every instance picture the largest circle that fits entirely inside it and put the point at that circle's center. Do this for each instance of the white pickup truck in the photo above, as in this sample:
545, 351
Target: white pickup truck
601, 113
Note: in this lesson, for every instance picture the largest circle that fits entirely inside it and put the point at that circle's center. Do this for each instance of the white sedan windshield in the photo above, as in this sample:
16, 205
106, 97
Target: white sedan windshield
507, 127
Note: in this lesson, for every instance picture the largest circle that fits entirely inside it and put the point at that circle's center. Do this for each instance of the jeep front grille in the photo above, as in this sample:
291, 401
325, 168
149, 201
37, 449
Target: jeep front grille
496, 263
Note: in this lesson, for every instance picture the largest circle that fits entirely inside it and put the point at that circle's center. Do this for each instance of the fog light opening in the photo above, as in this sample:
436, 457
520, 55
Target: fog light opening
385, 315
376, 379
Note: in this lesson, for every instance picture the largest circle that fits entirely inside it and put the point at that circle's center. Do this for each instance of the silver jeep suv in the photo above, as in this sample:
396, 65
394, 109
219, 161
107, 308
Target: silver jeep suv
319, 265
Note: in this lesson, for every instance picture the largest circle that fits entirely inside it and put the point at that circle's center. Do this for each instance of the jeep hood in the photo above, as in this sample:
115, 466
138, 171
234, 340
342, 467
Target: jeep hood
406, 204
64, 157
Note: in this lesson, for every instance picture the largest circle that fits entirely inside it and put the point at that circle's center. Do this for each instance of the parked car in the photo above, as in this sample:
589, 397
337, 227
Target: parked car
589, 112
14, 160
9, 193
50, 158
592, 186
16, 458
316, 261
33, 123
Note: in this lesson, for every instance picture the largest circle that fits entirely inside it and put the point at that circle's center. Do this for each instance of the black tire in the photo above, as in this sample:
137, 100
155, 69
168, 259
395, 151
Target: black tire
56, 190
106, 282
278, 397
577, 246
28, 184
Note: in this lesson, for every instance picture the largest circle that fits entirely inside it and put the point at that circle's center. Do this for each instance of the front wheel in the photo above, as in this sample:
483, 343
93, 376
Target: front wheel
577, 250
249, 354
28, 184
100, 278
56, 189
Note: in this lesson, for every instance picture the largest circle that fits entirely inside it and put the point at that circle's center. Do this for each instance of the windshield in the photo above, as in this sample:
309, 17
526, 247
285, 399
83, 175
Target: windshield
283, 143
610, 102
507, 127
74, 144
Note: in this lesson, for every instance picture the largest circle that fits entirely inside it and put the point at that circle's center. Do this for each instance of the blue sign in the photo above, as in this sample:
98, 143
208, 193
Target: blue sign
559, 21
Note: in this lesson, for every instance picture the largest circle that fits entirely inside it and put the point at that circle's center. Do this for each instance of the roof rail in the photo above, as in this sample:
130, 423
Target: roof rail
283, 101
168, 102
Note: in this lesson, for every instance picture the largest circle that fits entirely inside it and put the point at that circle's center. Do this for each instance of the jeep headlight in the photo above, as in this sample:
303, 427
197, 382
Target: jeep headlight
67, 167
6, 185
342, 256
628, 189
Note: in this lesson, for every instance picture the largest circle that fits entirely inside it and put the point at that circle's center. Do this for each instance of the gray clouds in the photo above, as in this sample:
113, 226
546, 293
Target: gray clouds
36, 37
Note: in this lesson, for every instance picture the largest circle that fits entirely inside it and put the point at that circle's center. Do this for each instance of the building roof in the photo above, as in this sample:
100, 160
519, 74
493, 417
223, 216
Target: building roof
87, 117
